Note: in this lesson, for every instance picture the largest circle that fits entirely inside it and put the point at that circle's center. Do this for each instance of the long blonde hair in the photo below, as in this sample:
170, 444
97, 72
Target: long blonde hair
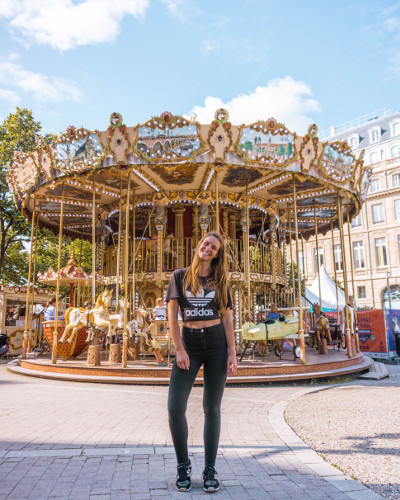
218, 278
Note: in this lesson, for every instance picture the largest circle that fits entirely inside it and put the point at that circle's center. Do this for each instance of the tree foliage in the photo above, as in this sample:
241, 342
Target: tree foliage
18, 131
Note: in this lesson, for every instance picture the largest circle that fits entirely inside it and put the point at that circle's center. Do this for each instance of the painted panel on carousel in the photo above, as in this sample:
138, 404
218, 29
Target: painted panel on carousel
168, 137
319, 200
337, 163
268, 142
77, 151
238, 177
321, 214
171, 175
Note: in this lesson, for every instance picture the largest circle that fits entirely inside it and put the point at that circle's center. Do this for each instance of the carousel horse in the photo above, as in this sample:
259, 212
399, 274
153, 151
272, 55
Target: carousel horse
322, 329
77, 318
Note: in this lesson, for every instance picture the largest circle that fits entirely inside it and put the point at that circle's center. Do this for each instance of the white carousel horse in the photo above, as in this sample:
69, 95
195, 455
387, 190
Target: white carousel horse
77, 318
136, 326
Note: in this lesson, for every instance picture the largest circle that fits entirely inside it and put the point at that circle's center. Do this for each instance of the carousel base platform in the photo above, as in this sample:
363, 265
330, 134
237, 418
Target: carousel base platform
145, 371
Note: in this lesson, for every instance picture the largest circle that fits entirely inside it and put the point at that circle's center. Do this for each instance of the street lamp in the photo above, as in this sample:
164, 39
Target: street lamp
388, 275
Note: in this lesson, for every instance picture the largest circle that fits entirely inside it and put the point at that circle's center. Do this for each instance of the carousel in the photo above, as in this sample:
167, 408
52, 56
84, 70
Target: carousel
144, 196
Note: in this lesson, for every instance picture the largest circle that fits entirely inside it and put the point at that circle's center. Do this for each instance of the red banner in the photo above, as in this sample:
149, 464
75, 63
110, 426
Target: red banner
371, 331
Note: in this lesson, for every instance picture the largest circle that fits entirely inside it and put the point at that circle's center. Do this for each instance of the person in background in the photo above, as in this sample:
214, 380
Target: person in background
273, 312
159, 310
50, 311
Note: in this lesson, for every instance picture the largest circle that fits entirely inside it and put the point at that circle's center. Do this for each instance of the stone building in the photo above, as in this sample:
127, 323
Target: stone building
375, 232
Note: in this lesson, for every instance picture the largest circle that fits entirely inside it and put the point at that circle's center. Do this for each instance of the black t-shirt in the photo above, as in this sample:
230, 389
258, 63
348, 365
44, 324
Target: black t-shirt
194, 308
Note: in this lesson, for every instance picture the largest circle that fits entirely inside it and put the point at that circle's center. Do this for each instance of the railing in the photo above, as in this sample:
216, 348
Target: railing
178, 253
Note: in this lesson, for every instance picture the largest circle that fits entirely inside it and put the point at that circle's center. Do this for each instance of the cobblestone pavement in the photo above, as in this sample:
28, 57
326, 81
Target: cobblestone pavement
77, 441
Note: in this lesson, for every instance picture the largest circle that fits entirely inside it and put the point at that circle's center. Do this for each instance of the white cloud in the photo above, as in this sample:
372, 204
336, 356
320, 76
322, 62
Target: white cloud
41, 87
183, 10
285, 99
64, 24
9, 96
238, 49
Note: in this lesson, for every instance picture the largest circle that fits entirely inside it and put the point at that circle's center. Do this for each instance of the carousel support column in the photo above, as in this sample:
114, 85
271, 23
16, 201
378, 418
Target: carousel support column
195, 223
304, 277
125, 334
118, 271
353, 287
225, 224
334, 271
133, 306
179, 211
296, 230
93, 356
60, 234
204, 219
316, 244
346, 290
272, 230
26, 332
33, 293
78, 295
291, 260
217, 224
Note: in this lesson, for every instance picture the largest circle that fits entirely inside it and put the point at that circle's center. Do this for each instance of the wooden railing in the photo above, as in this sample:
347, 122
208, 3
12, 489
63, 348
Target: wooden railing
178, 253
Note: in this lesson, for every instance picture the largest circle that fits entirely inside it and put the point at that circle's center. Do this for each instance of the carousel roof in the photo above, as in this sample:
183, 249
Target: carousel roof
172, 159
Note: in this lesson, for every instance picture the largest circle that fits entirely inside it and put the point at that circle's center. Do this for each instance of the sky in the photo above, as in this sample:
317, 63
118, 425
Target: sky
74, 62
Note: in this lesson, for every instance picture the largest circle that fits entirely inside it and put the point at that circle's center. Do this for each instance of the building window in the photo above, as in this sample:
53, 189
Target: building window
381, 253
375, 186
396, 180
358, 255
320, 259
361, 292
353, 142
356, 222
374, 157
338, 258
395, 151
397, 209
377, 213
374, 135
395, 128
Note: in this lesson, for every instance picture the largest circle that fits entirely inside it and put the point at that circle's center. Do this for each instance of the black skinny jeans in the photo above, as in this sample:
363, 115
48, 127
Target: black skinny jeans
206, 346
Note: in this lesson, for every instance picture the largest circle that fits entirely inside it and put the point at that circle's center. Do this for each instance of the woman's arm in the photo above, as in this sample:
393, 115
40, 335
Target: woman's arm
182, 358
230, 339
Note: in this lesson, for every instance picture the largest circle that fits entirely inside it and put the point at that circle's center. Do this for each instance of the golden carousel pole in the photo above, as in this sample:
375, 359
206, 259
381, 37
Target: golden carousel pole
133, 305
125, 334
118, 246
247, 261
33, 292
334, 271
346, 290
291, 259
285, 281
78, 295
305, 279
316, 244
26, 333
353, 286
216, 201
60, 234
296, 229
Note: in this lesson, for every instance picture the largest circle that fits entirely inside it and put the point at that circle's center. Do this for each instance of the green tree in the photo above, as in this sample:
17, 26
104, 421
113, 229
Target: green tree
296, 277
19, 131
288, 149
248, 145
280, 151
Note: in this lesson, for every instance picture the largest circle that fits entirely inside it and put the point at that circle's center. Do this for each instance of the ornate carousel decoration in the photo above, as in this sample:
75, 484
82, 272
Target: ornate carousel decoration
145, 195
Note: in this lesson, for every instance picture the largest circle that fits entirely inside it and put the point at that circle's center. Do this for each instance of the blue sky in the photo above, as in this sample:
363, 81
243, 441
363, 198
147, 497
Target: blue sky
75, 62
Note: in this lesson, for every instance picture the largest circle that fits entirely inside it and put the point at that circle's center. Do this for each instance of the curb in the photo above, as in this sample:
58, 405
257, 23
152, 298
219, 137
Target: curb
309, 457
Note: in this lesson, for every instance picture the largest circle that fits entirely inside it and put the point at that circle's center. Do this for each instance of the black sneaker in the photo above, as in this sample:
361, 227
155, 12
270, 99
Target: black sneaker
210, 482
183, 481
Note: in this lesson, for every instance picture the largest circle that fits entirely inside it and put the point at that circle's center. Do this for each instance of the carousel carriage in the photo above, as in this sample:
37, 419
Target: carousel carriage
145, 195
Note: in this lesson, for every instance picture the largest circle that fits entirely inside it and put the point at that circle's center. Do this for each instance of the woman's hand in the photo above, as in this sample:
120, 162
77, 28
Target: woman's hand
182, 359
232, 364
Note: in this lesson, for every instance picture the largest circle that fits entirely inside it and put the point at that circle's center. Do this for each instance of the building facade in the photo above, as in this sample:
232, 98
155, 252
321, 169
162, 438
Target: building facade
374, 243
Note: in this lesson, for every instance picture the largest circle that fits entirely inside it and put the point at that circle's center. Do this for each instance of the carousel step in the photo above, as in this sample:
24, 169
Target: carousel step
376, 372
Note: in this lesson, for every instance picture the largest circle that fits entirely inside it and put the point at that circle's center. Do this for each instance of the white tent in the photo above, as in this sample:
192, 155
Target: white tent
328, 292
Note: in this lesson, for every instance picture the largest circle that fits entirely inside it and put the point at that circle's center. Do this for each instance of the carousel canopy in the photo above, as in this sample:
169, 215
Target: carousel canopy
174, 160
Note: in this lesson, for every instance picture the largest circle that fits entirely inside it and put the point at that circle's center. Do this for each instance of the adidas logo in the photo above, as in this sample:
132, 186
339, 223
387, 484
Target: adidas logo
201, 299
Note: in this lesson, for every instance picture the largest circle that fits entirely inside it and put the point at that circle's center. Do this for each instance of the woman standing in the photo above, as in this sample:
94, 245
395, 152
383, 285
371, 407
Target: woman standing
202, 295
